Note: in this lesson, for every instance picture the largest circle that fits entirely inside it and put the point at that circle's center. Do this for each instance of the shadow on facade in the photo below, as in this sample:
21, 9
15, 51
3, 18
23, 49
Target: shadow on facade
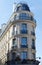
1, 62
16, 60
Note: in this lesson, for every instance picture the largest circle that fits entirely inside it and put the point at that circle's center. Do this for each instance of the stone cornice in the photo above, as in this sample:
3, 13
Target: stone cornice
13, 22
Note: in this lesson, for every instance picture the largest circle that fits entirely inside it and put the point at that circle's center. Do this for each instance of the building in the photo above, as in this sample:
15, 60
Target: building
17, 40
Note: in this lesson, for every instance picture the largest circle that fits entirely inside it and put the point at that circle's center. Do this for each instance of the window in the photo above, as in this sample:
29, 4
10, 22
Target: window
33, 29
31, 18
23, 16
8, 34
24, 41
33, 33
23, 8
14, 30
18, 8
23, 28
16, 17
33, 55
23, 55
33, 41
33, 44
13, 55
14, 42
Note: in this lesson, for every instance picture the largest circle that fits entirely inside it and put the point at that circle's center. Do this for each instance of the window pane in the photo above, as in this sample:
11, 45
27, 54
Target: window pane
23, 8
24, 41
23, 16
33, 55
16, 17
14, 42
23, 55
13, 56
15, 30
33, 44
24, 28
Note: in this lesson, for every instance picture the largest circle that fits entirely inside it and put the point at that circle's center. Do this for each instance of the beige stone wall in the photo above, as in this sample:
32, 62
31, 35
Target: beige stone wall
8, 36
6, 39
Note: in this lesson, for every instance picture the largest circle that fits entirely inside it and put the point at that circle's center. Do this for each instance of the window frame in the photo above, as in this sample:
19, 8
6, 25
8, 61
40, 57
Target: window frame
33, 44
14, 42
24, 57
22, 41
23, 28
33, 54
23, 16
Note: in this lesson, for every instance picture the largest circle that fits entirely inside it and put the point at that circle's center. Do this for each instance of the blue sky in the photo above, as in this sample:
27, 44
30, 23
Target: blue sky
6, 9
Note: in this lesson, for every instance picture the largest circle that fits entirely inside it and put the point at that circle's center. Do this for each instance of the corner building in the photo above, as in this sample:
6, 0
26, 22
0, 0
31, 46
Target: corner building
19, 38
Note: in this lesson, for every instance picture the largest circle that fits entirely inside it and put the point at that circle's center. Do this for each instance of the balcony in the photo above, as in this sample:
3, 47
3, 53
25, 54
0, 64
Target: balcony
24, 46
23, 31
24, 18
33, 33
23, 62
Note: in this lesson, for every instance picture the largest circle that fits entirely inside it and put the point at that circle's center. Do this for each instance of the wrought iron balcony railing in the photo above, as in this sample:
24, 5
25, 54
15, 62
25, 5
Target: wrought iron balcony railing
24, 31
24, 46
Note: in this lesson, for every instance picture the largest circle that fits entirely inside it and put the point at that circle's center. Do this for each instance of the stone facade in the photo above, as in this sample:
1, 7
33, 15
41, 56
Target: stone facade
21, 25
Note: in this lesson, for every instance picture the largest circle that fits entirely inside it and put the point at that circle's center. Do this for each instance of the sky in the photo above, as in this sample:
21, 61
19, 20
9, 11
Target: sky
6, 9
